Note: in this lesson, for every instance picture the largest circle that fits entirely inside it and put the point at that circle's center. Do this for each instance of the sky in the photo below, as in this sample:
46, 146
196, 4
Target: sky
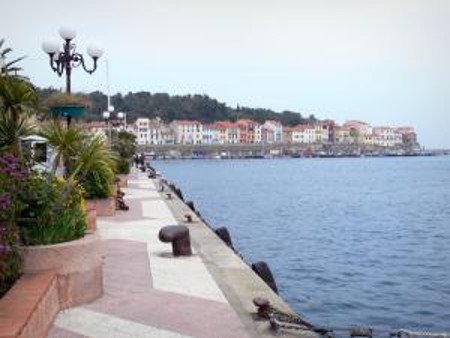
386, 62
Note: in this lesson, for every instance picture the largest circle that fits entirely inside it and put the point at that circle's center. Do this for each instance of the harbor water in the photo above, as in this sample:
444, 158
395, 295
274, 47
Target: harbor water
351, 241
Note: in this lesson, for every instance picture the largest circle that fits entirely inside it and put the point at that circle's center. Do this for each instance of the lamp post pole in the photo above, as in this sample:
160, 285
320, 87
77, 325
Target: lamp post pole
107, 117
64, 61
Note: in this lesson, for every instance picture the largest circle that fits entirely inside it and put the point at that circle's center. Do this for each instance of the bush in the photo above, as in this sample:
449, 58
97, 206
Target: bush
123, 166
97, 186
64, 99
12, 179
54, 211
125, 146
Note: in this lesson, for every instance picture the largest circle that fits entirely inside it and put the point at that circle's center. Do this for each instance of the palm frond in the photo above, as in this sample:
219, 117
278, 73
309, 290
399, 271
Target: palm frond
10, 63
6, 51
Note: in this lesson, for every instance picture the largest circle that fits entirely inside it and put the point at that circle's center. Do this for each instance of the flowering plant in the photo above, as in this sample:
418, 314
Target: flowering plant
12, 178
54, 211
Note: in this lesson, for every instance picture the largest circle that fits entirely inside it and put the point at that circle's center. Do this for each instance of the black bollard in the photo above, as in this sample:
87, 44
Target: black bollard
263, 271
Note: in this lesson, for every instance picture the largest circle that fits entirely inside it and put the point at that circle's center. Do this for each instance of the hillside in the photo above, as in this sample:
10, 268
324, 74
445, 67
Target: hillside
189, 107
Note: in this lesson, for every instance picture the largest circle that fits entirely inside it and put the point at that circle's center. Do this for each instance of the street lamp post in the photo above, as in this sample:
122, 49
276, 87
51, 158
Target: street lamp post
107, 117
63, 61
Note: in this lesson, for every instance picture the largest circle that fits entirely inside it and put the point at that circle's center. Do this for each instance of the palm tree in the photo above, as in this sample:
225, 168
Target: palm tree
65, 142
18, 101
11, 66
95, 159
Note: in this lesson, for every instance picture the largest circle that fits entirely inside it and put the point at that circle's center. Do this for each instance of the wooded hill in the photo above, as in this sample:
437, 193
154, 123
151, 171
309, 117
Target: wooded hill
187, 107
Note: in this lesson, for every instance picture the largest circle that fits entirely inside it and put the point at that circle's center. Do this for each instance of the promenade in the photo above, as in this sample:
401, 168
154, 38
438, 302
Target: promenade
150, 293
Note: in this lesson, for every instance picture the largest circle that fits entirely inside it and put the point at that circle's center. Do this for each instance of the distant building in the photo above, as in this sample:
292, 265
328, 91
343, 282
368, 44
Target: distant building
210, 134
387, 136
272, 132
187, 132
141, 129
342, 135
249, 131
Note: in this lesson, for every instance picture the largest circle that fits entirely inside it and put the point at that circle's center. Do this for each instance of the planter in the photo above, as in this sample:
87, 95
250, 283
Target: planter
67, 110
91, 217
78, 265
30, 306
104, 206
123, 183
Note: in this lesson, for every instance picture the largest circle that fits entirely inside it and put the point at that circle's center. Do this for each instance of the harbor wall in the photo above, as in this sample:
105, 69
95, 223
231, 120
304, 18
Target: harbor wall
239, 283
264, 150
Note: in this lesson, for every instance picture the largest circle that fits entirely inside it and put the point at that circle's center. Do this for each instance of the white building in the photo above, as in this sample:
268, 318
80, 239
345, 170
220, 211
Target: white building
187, 132
272, 132
387, 136
303, 134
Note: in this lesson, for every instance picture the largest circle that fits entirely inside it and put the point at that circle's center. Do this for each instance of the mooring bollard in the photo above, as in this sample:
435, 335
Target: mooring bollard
263, 306
190, 204
263, 271
224, 235
169, 196
188, 218
179, 236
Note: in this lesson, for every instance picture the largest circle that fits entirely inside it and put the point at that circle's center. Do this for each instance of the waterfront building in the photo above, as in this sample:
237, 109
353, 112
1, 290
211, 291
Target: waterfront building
409, 136
187, 132
141, 129
272, 132
287, 134
342, 135
388, 136
363, 128
95, 127
248, 131
327, 130
302, 133
211, 134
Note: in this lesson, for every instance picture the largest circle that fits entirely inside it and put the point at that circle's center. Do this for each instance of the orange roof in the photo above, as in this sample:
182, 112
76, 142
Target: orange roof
246, 121
226, 124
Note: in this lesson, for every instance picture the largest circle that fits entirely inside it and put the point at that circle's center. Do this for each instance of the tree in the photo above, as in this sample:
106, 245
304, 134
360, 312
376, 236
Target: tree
10, 66
18, 101
65, 142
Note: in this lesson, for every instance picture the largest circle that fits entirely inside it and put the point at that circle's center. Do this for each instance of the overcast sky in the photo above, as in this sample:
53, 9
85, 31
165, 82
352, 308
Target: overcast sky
383, 61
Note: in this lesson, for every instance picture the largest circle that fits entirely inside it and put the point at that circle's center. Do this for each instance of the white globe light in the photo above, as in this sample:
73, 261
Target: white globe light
50, 46
94, 51
120, 115
106, 115
67, 33
111, 108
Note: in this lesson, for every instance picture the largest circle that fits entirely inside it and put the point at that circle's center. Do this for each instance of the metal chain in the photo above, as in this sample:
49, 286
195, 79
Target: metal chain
401, 333
282, 320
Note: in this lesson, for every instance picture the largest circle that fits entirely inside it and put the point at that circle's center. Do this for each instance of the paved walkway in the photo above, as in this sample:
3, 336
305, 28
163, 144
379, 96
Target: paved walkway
148, 292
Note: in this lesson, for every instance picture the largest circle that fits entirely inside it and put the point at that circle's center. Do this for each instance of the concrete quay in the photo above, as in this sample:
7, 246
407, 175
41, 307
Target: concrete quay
150, 293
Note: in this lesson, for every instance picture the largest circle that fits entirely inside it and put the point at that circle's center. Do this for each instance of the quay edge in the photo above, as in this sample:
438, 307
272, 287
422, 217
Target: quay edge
238, 282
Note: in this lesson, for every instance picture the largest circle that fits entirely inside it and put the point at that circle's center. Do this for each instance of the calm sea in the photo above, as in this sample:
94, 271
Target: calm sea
358, 241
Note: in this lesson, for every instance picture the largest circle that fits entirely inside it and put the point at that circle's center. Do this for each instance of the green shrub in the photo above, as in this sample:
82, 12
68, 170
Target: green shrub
123, 166
97, 186
125, 145
54, 211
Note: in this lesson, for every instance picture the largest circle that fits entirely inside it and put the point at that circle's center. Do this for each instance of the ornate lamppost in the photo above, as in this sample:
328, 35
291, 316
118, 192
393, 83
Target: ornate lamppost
63, 61
107, 117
